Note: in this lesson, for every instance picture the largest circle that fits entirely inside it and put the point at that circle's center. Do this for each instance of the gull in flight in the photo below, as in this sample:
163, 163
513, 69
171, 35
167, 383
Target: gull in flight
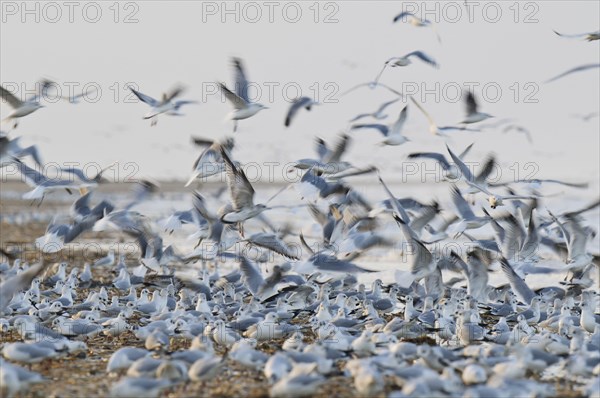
393, 133
18, 282
165, 105
575, 238
591, 36
20, 108
412, 19
241, 192
496, 200
473, 115
42, 185
10, 149
244, 108
405, 60
573, 70
378, 114
209, 162
451, 172
299, 103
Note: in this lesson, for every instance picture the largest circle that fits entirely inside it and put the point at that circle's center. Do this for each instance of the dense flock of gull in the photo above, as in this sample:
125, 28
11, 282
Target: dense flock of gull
442, 329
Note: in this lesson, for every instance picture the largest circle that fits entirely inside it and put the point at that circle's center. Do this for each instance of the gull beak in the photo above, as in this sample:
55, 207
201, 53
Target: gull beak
83, 191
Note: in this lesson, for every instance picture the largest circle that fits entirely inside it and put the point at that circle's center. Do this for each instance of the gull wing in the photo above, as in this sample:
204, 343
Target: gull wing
252, 275
461, 165
383, 129
145, 98
240, 189
518, 285
241, 83
237, 101
423, 57
10, 98
573, 70
438, 157
461, 204
341, 146
302, 102
470, 103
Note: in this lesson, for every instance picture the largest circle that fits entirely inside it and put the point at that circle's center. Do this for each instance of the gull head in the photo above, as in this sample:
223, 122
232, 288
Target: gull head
494, 201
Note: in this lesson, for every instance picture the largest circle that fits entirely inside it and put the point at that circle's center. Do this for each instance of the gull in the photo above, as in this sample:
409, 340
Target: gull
241, 193
393, 133
478, 183
20, 108
244, 108
93, 181
451, 171
409, 17
297, 104
575, 237
17, 283
580, 68
590, 36
107, 260
378, 114
274, 243
43, 185
205, 368
256, 284
405, 60
420, 258
28, 352
330, 159
14, 378
477, 275
142, 387
10, 149
296, 385
165, 105
210, 162
488, 167
523, 292
496, 200
468, 218
473, 115
277, 366
518, 129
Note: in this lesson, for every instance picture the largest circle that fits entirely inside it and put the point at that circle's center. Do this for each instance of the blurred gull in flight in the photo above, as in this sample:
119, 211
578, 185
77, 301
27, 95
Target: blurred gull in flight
591, 36
573, 70
473, 114
165, 105
244, 108
297, 104
393, 133
409, 17
20, 108
405, 60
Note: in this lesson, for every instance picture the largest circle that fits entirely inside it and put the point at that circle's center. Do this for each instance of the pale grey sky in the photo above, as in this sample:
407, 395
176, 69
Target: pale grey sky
188, 42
